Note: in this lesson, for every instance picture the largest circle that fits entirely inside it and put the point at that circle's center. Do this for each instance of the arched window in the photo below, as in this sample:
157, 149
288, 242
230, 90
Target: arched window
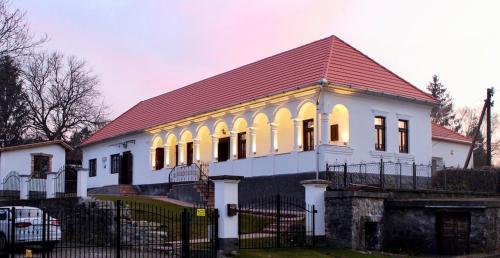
241, 135
339, 125
186, 157
221, 151
204, 152
158, 157
262, 135
307, 114
284, 126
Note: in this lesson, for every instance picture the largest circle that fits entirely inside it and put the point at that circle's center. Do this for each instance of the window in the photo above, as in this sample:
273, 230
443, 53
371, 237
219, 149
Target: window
334, 133
92, 167
189, 149
159, 158
115, 163
308, 134
41, 165
380, 133
223, 149
403, 136
242, 145
176, 158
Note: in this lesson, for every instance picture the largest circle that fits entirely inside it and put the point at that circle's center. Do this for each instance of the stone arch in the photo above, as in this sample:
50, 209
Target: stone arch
171, 158
157, 153
283, 122
339, 125
306, 112
261, 142
204, 152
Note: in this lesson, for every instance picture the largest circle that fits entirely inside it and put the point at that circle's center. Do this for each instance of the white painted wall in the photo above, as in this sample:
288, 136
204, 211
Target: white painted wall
453, 154
20, 160
360, 148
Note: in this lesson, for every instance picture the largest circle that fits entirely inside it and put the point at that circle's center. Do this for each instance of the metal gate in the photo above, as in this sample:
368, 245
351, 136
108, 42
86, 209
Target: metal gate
66, 182
109, 229
11, 186
275, 222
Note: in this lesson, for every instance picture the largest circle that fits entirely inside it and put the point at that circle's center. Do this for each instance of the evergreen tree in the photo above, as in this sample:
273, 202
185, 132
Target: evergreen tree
13, 113
443, 113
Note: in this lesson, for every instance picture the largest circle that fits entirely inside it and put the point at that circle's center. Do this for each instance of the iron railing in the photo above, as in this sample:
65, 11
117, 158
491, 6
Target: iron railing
11, 186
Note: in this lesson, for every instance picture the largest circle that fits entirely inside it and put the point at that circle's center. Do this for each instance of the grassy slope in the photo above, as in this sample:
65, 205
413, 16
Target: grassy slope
303, 252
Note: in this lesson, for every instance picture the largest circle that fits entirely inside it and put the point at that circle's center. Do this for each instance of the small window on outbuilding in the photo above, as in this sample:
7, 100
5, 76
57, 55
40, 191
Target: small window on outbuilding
41, 164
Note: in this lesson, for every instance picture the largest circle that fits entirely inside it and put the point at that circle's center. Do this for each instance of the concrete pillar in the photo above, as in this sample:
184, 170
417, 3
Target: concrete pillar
226, 192
24, 187
251, 142
297, 134
152, 158
233, 140
167, 155
196, 150
181, 159
215, 148
50, 184
315, 195
325, 121
81, 182
274, 138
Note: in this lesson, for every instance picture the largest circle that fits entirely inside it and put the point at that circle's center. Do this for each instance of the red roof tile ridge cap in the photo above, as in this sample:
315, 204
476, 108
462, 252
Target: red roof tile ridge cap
385, 68
239, 67
329, 58
84, 142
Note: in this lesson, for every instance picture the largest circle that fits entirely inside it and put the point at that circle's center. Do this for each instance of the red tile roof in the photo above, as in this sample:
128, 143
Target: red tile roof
38, 144
445, 134
329, 58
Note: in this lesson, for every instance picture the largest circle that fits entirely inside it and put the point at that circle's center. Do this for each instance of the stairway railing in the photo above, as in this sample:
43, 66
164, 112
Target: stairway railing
196, 172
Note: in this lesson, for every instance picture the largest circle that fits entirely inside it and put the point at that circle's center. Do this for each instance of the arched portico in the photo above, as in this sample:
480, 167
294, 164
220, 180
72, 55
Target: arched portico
262, 129
339, 125
203, 145
172, 151
283, 140
157, 153
186, 149
305, 124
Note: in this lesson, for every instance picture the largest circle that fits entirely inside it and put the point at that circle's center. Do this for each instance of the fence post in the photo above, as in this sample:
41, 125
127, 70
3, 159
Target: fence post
12, 248
414, 171
278, 220
81, 182
44, 233
382, 174
315, 198
24, 191
118, 228
50, 185
226, 193
185, 233
345, 175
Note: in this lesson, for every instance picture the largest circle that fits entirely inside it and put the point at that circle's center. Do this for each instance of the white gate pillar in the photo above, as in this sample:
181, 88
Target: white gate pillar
50, 185
315, 195
24, 187
226, 201
81, 182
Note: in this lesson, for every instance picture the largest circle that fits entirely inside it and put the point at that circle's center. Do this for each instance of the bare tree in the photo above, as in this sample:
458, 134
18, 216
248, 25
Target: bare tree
62, 96
15, 36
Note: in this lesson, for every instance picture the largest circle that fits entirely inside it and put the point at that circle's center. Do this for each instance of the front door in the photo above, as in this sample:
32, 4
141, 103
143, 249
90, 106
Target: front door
125, 176
223, 149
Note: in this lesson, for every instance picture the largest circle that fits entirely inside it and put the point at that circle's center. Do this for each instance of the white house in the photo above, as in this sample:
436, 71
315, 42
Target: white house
449, 149
291, 113
33, 159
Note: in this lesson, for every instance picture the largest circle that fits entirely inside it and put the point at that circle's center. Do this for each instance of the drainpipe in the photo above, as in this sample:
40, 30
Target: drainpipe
322, 83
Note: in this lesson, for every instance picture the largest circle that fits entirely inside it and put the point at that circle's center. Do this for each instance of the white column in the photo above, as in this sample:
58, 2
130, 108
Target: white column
226, 192
166, 154
196, 150
215, 143
251, 142
297, 134
24, 187
181, 159
273, 138
152, 158
50, 185
324, 128
315, 195
233, 140
81, 180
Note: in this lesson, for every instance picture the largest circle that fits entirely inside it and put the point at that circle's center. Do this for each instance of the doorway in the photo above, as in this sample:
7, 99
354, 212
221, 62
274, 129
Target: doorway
125, 176
453, 229
223, 149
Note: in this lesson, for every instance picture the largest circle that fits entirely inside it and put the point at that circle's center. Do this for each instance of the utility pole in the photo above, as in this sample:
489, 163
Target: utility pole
486, 110
489, 104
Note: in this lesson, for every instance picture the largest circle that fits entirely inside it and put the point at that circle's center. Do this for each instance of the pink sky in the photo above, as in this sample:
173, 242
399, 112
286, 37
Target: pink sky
141, 49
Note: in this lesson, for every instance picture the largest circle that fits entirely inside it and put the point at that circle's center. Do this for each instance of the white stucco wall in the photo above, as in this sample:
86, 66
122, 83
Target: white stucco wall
453, 154
20, 160
360, 147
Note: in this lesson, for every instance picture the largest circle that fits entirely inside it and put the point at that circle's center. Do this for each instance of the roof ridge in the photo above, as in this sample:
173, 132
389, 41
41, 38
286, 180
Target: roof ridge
329, 57
385, 68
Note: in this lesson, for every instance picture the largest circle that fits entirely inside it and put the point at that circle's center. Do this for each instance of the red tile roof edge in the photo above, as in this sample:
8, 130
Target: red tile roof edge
444, 134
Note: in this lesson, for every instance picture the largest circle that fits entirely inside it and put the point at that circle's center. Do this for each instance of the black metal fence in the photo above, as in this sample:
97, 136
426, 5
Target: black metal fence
110, 229
275, 222
379, 175
65, 182
11, 186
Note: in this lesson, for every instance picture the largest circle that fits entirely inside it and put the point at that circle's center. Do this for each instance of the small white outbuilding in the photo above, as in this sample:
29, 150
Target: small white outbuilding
34, 159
